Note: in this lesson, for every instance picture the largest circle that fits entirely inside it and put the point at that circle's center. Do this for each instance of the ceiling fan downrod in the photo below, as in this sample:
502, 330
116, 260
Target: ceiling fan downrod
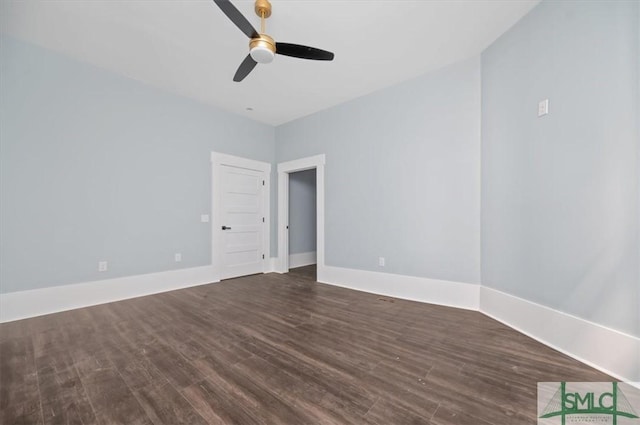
263, 10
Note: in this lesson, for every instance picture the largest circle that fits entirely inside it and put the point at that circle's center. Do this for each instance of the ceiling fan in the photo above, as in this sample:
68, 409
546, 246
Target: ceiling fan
263, 48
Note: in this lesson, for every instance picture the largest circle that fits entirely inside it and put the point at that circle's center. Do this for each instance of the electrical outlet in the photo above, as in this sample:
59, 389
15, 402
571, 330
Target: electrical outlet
178, 257
102, 266
381, 261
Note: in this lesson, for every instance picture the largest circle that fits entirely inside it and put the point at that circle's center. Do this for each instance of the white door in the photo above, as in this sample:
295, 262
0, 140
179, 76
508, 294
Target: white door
242, 221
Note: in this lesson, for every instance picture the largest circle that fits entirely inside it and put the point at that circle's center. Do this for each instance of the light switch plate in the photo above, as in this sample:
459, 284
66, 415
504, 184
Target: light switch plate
543, 107
204, 218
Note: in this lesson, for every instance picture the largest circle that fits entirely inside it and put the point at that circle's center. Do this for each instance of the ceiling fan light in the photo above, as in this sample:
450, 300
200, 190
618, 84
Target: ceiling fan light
262, 48
262, 54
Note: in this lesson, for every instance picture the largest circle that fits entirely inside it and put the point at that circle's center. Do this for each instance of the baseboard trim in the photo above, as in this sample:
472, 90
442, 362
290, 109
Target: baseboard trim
271, 265
38, 302
612, 352
302, 259
433, 291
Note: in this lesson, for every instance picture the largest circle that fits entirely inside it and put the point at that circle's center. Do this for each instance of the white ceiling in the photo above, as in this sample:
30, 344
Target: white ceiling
191, 48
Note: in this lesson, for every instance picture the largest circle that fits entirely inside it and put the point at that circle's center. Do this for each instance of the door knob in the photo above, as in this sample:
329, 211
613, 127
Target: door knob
226, 228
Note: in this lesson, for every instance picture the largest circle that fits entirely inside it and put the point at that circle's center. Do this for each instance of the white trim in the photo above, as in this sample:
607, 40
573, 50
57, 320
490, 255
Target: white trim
433, 291
302, 259
237, 161
282, 266
272, 265
217, 160
613, 352
37, 302
284, 168
302, 164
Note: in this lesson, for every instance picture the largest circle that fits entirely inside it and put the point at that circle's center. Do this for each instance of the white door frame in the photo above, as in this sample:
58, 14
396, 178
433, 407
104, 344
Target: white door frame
217, 161
284, 168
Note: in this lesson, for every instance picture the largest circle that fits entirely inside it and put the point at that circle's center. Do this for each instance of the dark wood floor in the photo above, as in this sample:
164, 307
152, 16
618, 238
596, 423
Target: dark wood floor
273, 349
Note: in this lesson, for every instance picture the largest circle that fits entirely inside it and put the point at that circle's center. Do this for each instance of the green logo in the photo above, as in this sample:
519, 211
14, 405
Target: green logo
587, 402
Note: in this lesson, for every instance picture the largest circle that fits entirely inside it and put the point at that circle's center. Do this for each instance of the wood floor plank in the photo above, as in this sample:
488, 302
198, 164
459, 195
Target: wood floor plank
220, 405
404, 387
19, 393
13, 330
177, 369
332, 383
273, 349
255, 397
112, 400
136, 369
385, 412
64, 399
445, 416
165, 405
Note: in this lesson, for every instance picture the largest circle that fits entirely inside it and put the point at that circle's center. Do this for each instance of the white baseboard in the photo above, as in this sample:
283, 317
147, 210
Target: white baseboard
271, 265
608, 350
302, 259
433, 291
37, 302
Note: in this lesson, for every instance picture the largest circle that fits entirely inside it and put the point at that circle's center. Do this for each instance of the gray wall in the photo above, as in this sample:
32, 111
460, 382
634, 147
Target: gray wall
95, 166
560, 193
402, 175
302, 212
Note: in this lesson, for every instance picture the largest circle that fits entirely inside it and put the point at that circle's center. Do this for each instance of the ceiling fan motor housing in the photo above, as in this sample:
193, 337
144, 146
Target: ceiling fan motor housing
262, 48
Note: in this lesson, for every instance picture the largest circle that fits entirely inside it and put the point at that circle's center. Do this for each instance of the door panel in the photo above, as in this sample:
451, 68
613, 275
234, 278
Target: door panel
242, 213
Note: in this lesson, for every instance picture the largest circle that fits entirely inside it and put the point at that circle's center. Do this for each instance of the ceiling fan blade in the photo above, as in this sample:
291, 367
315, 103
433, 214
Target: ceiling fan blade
303, 52
237, 18
245, 68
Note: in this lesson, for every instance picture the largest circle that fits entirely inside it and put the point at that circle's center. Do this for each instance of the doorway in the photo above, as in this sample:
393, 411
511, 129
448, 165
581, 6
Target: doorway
302, 223
316, 163
240, 215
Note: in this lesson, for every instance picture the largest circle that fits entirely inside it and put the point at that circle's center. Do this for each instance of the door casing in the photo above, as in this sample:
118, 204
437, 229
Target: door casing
284, 168
217, 161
